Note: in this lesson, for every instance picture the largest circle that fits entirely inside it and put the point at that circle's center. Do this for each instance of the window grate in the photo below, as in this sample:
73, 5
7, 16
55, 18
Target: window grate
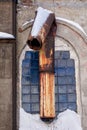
65, 84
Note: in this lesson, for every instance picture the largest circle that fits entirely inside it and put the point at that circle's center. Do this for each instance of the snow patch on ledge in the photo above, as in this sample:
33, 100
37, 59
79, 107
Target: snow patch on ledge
6, 35
67, 120
72, 23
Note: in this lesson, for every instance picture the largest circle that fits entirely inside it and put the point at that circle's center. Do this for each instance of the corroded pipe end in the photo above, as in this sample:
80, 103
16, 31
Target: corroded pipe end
34, 44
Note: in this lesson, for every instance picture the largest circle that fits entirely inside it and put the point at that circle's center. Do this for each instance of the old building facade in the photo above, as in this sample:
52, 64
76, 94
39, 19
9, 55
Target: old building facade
70, 59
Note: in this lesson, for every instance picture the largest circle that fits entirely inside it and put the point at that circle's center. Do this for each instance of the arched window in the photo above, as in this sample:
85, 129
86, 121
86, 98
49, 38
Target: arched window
65, 85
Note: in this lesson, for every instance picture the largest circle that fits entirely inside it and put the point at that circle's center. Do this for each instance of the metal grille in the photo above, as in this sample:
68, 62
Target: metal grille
65, 85
30, 82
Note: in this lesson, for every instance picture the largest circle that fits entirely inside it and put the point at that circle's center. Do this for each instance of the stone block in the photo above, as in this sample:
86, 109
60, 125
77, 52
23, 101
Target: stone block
84, 121
2, 69
6, 119
6, 16
84, 128
8, 69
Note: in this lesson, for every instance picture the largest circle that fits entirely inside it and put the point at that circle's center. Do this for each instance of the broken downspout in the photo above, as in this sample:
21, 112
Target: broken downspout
42, 38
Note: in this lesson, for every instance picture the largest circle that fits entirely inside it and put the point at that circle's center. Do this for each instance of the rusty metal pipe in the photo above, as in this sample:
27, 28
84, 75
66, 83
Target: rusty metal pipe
41, 28
42, 38
34, 43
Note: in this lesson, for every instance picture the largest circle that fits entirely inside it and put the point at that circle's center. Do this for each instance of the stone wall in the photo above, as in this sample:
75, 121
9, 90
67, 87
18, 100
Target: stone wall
6, 16
75, 10
6, 84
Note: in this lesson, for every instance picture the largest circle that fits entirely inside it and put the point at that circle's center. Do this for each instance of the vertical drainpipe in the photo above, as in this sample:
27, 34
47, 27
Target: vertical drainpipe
44, 42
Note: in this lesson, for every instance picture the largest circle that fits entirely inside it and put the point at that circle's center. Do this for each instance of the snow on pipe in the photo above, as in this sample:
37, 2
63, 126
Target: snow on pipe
43, 22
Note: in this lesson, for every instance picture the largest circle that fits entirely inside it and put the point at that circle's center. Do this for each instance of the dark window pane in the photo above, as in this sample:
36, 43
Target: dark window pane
70, 80
25, 89
26, 80
61, 63
28, 55
70, 71
35, 98
26, 107
35, 107
62, 80
62, 89
34, 63
65, 55
70, 63
71, 97
72, 106
26, 63
35, 89
61, 71
62, 106
25, 98
25, 71
71, 88
62, 98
